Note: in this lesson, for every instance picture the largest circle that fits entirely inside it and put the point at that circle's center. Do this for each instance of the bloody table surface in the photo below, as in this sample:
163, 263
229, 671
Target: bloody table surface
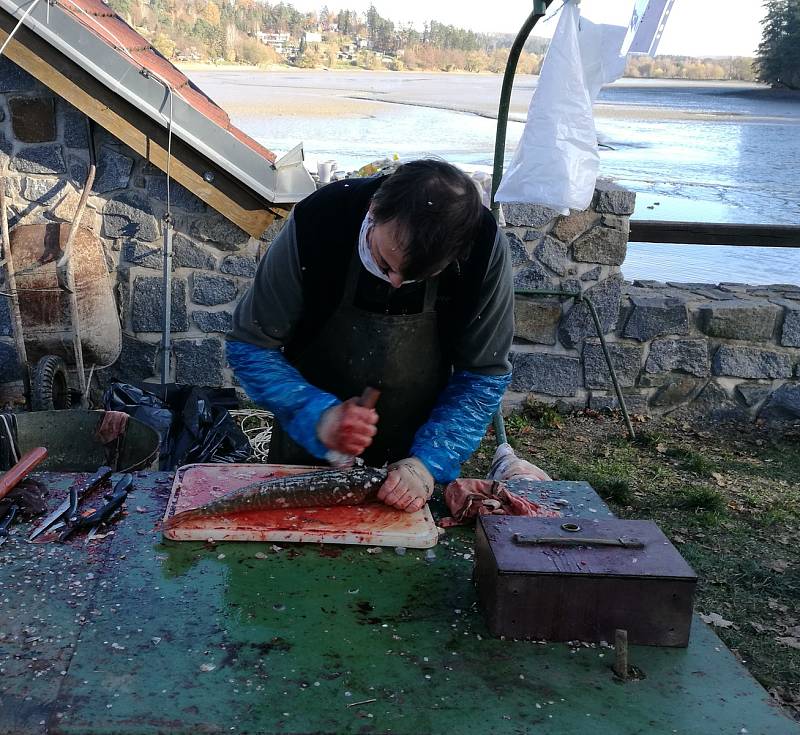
134, 634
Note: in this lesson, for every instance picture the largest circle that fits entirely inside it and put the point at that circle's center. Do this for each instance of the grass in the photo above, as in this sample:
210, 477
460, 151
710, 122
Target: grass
728, 498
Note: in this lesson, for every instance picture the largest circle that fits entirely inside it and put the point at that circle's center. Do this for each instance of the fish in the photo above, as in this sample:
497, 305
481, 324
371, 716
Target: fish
323, 488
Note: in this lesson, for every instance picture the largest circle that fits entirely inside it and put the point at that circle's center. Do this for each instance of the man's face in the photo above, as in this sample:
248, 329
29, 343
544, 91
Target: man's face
386, 252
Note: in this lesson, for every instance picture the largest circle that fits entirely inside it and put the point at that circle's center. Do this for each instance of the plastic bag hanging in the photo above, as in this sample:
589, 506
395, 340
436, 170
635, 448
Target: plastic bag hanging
556, 161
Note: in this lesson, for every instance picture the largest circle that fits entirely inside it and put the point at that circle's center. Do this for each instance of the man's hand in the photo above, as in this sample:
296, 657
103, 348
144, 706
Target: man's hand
347, 428
409, 485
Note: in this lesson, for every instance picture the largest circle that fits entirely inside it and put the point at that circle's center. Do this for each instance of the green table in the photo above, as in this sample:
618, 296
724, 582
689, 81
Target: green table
132, 634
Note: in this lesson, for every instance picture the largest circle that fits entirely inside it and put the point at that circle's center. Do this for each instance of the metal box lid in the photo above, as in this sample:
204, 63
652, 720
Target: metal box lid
586, 547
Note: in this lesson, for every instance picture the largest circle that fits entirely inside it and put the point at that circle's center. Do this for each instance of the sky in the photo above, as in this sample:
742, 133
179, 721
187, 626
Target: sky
695, 27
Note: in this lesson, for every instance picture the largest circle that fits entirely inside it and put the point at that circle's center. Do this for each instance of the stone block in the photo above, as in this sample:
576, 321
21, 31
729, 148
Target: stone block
593, 274
220, 232
751, 362
113, 171
554, 254
714, 404
15, 79
649, 284
137, 361
790, 335
653, 316
6, 146
676, 390
148, 304
610, 198
239, 265
635, 403
199, 362
188, 254
623, 224
78, 170
39, 159
753, 393
9, 367
213, 321
536, 216
532, 277
272, 231
179, 195
536, 320
568, 228
686, 355
212, 290
783, 404
519, 255
626, 359
67, 206
601, 245
129, 215
143, 254
532, 236
42, 191
578, 323
751, 321
539, 372
76, 126
33, 119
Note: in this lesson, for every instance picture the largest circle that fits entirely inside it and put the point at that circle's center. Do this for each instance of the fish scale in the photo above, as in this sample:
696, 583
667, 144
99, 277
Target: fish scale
322, 488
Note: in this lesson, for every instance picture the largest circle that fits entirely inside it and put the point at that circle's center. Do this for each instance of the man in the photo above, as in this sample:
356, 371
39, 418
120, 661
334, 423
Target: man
402, 283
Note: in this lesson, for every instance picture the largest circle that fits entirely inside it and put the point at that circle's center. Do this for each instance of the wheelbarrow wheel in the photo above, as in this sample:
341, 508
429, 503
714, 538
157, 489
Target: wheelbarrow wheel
49, 386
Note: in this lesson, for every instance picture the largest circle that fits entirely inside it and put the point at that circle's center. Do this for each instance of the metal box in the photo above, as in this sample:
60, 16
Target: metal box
581, 579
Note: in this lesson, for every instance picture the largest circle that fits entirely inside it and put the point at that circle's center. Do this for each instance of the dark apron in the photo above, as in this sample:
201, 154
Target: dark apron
401, 355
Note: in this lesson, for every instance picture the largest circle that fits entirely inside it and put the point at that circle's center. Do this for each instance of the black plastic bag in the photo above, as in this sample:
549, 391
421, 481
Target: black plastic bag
193, 423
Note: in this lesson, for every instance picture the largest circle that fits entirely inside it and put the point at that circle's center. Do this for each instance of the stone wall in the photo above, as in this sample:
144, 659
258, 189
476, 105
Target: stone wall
44, 145
720, 351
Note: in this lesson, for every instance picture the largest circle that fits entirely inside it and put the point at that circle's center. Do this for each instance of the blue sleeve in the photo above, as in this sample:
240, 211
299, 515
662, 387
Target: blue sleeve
458, 422
273, 383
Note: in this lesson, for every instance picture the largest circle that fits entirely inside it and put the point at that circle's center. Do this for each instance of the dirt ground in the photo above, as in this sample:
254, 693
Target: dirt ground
727, 496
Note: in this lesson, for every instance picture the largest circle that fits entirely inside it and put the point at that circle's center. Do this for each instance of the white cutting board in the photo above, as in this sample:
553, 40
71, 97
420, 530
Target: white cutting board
374, 524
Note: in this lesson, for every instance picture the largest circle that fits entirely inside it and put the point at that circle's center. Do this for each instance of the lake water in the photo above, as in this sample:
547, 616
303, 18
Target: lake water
691, 151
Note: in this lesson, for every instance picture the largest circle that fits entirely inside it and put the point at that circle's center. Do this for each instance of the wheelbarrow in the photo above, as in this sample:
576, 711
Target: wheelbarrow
62, 304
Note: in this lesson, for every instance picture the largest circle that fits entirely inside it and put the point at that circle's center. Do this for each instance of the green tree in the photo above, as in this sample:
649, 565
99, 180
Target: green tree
778, 60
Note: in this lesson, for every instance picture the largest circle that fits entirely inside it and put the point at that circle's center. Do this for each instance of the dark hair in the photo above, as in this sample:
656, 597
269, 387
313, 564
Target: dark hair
436, 211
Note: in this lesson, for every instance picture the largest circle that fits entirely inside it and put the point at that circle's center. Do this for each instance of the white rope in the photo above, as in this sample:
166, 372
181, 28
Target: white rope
256, 425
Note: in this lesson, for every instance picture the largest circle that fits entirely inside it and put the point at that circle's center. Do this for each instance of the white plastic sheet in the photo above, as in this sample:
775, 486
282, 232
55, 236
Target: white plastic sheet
556, 161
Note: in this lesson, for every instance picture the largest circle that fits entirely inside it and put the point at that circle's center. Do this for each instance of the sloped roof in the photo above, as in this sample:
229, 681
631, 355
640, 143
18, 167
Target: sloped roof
88, 33
100, 19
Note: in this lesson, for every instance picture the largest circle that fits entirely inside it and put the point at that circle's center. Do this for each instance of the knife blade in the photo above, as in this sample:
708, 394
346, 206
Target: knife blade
98, 478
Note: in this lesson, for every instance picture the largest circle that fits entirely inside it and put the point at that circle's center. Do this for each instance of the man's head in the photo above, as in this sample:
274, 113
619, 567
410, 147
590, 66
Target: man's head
426, 216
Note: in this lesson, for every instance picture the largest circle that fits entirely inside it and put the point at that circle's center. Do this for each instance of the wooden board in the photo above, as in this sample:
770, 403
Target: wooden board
374, 524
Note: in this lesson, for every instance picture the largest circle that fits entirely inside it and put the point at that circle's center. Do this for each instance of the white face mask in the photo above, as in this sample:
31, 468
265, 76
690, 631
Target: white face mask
365, 253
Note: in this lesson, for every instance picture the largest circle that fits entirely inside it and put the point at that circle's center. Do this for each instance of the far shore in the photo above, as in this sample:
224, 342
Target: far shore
358, 93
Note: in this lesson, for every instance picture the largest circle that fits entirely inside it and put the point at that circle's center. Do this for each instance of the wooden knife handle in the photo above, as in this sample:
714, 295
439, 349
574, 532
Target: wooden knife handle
369, 398
27, 463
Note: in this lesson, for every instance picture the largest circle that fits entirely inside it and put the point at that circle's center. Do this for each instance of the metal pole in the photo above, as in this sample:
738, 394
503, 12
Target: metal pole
539, 10
166, 335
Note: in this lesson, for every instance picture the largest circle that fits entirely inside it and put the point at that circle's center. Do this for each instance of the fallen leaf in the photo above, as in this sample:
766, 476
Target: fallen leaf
661, 448
757, 627
678, 539
773, 604
719, 479
790, 641
207, 667
716, 620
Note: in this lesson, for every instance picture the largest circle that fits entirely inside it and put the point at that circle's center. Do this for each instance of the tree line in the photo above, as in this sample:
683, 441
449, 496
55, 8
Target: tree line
778, 61
223, 30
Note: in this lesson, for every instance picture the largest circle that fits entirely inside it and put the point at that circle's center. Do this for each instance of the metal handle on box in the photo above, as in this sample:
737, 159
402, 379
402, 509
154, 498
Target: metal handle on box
625, 543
